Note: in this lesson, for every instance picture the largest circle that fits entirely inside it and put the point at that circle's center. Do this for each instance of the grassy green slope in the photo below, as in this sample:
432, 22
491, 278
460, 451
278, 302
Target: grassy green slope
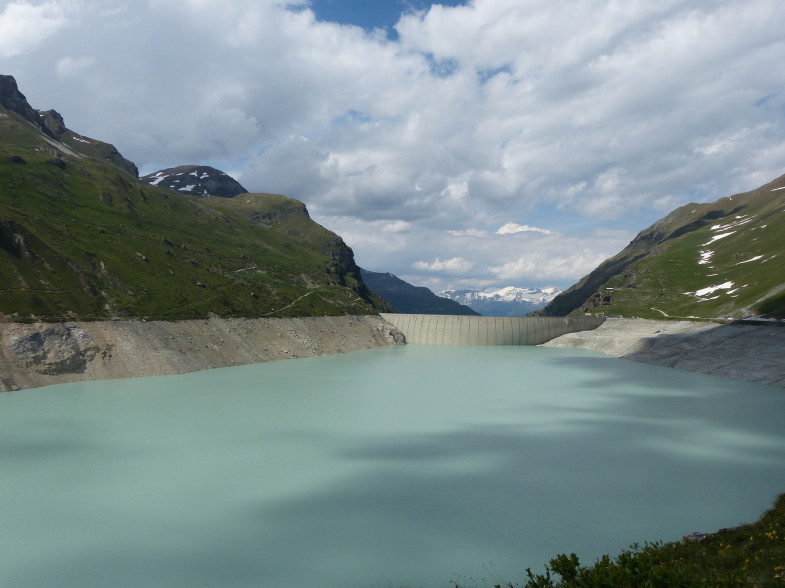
669, 268
81, 238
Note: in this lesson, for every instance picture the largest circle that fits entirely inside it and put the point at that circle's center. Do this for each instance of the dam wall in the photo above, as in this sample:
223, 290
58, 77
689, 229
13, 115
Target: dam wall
486, 330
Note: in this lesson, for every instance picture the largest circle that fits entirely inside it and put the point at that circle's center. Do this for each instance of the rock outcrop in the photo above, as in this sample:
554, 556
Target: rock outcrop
52, 350
12, 100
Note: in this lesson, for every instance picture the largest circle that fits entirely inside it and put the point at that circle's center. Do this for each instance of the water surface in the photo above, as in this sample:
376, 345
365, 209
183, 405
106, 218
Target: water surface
405, 466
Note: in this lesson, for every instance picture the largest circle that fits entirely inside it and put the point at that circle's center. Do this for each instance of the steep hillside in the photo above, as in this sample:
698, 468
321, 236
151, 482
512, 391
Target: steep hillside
411, 299
197, 180
80, 237
724, 259
289, 219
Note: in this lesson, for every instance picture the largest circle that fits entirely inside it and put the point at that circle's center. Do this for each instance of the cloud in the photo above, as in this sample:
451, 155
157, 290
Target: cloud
397, 227
479, 122
456, 265
549, 267
24, 25
512, 228
73, 66
468, 233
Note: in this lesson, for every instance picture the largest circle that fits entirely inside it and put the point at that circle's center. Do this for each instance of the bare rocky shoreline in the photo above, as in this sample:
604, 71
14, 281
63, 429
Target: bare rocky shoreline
755, 353
39, 354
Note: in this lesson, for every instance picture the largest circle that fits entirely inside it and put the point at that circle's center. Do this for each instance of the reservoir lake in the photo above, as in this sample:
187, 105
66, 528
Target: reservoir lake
413, 465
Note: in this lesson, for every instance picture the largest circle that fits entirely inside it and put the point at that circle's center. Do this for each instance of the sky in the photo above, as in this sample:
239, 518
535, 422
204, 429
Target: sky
483, 143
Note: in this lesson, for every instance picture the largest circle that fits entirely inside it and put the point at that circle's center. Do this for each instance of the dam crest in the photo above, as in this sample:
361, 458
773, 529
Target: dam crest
440, 329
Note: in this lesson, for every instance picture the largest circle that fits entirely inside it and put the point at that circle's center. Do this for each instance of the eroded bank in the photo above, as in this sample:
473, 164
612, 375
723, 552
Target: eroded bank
39, 354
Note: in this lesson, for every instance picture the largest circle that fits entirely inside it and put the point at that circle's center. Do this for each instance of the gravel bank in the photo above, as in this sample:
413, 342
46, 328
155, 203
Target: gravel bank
40, 354
746, 352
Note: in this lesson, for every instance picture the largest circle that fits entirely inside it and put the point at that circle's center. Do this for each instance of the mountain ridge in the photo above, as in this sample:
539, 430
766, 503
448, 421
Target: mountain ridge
50, 123
506, 301
715, 260
81, 237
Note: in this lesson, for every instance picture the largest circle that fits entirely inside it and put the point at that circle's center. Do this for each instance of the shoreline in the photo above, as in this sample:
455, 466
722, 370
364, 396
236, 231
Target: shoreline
753, 353
40, 354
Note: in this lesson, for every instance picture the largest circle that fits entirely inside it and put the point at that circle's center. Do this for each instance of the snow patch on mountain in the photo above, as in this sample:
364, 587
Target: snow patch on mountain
740, 220
711, 289
717, 238
157, 178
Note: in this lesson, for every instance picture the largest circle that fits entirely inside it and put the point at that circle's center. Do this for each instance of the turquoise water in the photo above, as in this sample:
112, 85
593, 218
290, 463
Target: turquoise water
403, 466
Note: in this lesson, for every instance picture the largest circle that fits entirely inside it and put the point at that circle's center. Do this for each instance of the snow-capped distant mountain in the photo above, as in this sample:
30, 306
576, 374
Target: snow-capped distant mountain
509, 301
411, 299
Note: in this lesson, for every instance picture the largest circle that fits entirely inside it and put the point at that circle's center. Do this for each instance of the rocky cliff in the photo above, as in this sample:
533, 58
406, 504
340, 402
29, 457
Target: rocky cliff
13, 101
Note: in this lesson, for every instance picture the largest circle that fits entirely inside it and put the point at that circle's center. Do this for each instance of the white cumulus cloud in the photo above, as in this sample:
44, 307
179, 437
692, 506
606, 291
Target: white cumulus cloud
512, 228
23, 25
583, 117
456, 265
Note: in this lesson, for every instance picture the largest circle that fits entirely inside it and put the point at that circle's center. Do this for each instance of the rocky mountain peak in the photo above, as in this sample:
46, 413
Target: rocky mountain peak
14, 101
52, 125
197, 180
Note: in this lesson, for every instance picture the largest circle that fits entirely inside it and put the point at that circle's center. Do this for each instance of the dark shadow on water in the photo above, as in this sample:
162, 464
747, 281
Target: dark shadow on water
488, 487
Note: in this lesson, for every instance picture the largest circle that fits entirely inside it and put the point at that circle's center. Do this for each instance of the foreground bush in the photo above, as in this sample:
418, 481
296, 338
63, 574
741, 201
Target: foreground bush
751, 555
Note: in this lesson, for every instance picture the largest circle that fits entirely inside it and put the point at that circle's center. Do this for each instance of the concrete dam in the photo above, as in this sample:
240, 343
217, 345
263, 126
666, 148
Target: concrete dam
486, 330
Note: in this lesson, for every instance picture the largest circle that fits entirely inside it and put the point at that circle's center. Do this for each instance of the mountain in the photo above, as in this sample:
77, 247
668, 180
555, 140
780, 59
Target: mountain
56, 137
81, 237
411, 299
724, 259
509, 301
198, 180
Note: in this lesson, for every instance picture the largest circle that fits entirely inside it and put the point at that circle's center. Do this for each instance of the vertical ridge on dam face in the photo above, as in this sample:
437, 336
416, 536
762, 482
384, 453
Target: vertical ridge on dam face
443, 329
